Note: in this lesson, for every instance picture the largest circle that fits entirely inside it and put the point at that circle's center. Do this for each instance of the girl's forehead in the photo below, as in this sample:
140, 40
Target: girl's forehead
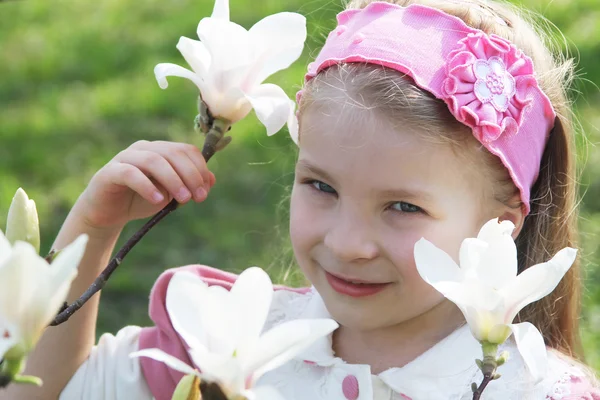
356, 133
348, 126
365, 150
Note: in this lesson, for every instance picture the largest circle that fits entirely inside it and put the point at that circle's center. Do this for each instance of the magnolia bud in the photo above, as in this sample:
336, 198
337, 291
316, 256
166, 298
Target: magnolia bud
22, 222
503, 358
479, 363
188, 388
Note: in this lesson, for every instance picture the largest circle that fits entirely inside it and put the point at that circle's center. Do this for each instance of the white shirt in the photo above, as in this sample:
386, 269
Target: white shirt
444, 372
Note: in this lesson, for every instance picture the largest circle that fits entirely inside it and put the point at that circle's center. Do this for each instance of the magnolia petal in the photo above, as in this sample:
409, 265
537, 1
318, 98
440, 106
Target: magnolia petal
9, 335
62, 272
230, 104
173, 362
196, 55
532, 348
263, 393
67, 260
477, 320
228, 43
161, 71
201, 314
5, 249
224, 369
220, 316
434, 265
22, 275
64, 266
498, 263
499, 333
221, 10
470, 253
471, 293
292, 123
536, 282
272, 106
252, 294
281, 39
493, 229
283, 342
185, 303
32, 297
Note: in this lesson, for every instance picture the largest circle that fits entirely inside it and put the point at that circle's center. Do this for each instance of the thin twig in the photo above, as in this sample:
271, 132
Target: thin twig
50, 257
213, 137
487, 378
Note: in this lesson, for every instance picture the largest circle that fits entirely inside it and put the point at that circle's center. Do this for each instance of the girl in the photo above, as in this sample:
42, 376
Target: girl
418, 119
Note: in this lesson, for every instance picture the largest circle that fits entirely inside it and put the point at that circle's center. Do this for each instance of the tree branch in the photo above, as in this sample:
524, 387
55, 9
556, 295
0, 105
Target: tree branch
487, 378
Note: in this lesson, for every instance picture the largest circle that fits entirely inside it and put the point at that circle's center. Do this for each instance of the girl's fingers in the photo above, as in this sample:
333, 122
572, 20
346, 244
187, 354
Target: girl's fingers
195, 155
187, 160
155, 166
131, 177
189, 164
189, 174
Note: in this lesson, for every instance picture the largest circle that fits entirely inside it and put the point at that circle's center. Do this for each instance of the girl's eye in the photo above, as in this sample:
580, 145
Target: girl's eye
322, 187
405, 207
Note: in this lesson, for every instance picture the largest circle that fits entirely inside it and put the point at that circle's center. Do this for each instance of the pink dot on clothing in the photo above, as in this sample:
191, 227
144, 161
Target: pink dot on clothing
309, 362
350, 387
359, 37
340, 29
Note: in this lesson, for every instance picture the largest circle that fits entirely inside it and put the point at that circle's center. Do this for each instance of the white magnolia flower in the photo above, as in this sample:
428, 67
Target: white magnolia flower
229, 64
32, 292
223, 331
488, 290
22, 222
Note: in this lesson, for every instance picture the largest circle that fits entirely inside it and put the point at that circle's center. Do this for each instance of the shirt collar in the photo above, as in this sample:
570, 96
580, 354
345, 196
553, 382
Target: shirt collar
450, 360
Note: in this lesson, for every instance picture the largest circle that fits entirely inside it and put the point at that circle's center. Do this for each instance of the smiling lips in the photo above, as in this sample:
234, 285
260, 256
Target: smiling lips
354, 288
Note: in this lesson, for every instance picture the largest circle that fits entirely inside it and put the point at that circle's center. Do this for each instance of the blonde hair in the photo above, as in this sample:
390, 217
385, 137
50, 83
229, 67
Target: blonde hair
552, 222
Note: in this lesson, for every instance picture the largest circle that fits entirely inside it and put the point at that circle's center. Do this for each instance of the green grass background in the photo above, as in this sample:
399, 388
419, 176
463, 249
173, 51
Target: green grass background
77, 87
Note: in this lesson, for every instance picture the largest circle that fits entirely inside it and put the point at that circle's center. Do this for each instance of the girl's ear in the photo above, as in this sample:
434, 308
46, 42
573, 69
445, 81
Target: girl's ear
516, 215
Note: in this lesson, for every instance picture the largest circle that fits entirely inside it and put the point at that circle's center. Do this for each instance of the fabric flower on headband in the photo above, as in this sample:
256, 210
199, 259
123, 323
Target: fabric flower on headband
487, 85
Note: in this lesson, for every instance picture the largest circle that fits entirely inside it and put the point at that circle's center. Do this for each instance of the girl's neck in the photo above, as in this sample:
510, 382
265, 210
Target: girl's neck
397, 345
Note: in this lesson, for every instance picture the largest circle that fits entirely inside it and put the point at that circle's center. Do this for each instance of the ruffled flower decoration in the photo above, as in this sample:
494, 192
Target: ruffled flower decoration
488, 85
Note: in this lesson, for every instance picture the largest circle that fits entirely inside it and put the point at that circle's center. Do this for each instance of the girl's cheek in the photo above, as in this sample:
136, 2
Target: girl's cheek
401, 252
303, 218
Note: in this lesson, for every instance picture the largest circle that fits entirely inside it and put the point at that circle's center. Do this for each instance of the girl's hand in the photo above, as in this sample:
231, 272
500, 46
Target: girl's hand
141, 180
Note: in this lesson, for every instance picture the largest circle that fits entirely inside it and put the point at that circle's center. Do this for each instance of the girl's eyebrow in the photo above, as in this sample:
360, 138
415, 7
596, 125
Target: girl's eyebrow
407, 195
303, 164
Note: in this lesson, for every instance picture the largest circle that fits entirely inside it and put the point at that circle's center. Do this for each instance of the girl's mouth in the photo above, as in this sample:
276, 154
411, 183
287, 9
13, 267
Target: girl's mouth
354, 289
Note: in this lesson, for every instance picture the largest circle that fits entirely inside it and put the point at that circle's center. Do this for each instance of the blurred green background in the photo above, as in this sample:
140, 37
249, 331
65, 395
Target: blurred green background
77, 87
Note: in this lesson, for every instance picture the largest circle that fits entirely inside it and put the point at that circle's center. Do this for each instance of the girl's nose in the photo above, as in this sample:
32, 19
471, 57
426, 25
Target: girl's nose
351, 239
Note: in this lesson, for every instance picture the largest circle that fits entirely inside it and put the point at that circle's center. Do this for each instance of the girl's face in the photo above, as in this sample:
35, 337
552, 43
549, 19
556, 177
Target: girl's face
364, 194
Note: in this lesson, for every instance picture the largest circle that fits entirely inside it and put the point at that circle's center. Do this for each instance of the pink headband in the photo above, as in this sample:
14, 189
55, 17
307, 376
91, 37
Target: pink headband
487, 83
